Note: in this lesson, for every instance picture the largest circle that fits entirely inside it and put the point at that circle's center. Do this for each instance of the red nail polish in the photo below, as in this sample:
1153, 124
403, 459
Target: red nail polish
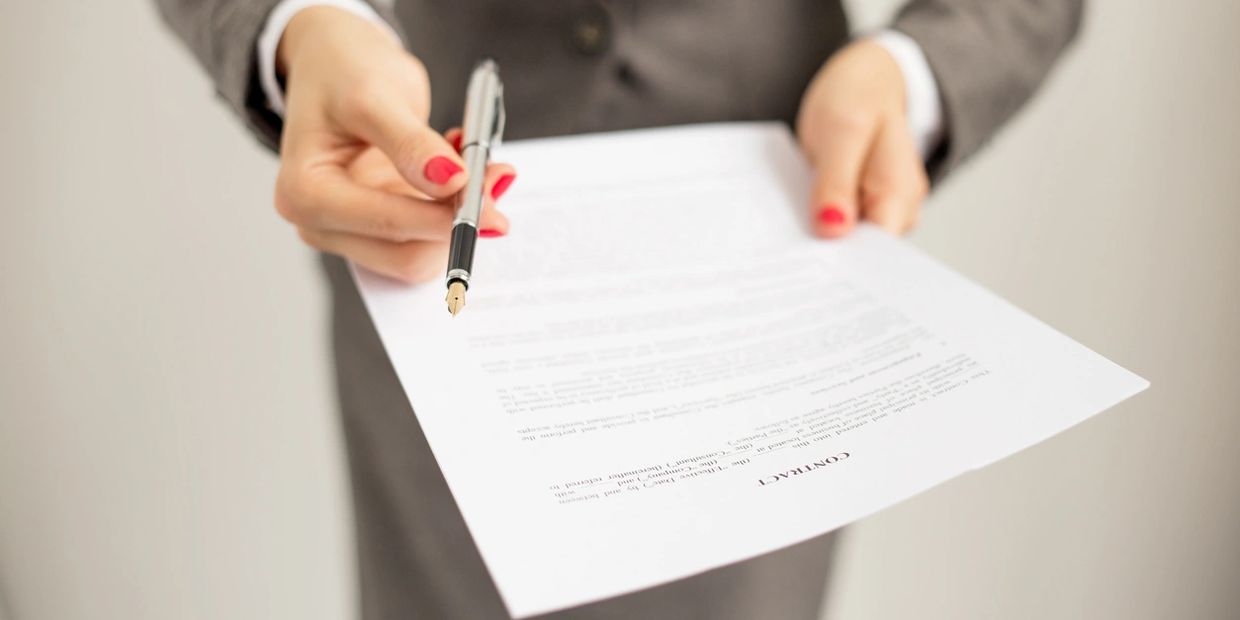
832, 215
456, 142
501, 185
490, 232
440, 170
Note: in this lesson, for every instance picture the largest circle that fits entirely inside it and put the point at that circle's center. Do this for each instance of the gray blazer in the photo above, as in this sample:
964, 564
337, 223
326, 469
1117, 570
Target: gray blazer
579, 65
591, 65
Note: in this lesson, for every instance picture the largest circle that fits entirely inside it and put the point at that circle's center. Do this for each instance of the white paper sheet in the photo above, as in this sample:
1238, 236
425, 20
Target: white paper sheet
660, 372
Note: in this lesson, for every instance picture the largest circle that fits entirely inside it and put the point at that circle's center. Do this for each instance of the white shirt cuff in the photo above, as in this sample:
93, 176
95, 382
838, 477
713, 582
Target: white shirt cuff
273, 30
923, 107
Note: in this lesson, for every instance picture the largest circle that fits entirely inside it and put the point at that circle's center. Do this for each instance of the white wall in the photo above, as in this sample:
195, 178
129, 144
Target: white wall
168, 447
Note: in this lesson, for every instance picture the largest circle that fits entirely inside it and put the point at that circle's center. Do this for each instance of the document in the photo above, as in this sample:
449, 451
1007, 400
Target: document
660, 372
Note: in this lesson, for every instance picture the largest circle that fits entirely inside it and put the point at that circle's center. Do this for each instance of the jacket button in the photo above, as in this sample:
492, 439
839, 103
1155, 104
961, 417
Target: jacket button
591, 31
625, 74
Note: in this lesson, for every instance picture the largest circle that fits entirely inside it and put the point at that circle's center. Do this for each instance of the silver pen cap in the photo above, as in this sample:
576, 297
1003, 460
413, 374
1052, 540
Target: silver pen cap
481, 130
484, 107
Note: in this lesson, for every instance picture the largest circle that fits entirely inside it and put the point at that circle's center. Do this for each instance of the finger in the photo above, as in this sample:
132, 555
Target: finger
372, 168
326, 198
894, 182
423, 157
499, 178
453, 136
414, 261
837, 164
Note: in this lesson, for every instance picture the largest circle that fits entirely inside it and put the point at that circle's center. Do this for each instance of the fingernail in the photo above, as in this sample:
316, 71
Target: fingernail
501, 185
490, 232
832, 215
440, 170
456, 142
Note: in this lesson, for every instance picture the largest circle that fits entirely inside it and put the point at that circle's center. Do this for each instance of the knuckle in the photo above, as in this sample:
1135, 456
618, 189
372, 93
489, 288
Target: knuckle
417, 69
881, 217
387, 226
354, 104
848, 120
358, 100
878, 185
418, 79
416, 267
832, 183
287, 196
284, 207
310, 238
405, 151
895, 217
314, 238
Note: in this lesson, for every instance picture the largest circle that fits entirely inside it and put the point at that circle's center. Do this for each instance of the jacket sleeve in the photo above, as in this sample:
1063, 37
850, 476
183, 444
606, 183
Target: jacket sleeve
222, 35
988, 58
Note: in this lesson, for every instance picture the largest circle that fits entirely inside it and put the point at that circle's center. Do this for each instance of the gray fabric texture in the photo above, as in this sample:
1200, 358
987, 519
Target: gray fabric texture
988, 58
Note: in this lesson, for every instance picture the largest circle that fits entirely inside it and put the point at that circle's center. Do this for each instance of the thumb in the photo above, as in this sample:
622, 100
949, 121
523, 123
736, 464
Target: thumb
422, 156
834, 204
838, 161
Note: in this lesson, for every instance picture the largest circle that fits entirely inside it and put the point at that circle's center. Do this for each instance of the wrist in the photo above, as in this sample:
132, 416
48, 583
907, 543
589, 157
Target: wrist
300, 28
880, 70
316, 24
923, 107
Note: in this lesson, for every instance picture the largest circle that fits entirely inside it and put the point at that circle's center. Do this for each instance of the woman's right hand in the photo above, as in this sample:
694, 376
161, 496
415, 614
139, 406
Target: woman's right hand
362, 175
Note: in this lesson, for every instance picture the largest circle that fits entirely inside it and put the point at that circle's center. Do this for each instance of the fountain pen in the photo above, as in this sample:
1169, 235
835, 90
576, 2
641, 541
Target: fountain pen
481, 129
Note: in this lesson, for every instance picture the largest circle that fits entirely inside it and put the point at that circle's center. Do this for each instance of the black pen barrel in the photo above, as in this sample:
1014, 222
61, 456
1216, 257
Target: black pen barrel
461, 255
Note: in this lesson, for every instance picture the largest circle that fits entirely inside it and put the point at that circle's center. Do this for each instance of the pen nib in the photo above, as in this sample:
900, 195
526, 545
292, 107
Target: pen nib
456, 297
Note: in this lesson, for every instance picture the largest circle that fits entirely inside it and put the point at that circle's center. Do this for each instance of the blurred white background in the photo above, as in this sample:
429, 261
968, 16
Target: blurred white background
169, 448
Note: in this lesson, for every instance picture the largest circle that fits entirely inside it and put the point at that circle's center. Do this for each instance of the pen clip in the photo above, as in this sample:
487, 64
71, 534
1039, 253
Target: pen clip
497, 130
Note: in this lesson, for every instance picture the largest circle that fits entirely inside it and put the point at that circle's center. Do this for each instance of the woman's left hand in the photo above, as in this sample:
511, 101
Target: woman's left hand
852, 127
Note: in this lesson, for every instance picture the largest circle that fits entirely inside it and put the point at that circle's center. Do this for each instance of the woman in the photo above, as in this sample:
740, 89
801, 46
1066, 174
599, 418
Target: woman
365, 171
